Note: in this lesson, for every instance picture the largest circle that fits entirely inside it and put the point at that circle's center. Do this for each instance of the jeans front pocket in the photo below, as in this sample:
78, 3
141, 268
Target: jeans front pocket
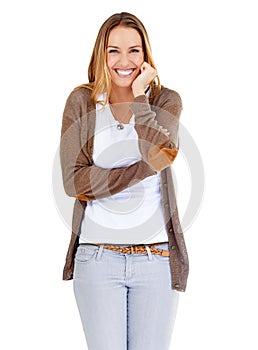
85, 254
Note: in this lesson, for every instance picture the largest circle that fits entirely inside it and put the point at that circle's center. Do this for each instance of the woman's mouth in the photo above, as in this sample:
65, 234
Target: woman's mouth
123, 73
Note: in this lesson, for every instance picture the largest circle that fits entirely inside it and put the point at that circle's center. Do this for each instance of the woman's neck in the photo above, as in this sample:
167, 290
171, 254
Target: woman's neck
120, 95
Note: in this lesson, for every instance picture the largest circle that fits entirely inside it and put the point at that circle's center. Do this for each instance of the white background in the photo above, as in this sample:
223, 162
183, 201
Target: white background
207, 51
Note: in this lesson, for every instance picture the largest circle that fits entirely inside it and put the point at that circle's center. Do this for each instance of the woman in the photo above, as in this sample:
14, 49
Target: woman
127, 254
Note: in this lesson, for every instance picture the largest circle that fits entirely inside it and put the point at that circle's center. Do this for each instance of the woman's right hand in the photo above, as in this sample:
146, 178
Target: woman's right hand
148, 73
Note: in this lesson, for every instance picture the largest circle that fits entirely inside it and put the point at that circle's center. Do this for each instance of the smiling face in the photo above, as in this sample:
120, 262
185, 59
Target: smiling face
124, 56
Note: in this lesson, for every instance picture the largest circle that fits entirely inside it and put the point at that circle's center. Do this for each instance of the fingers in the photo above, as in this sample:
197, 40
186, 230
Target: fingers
144, 66
164, 130
147, 75
147, 67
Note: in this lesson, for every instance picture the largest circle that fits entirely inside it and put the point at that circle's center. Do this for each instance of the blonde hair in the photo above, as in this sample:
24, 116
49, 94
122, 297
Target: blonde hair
98, 73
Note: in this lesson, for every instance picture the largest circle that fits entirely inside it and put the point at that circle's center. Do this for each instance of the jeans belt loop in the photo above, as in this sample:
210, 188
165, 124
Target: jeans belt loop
100, 250
149, 252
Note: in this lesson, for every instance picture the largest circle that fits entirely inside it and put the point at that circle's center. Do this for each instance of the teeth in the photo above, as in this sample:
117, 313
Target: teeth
124, 73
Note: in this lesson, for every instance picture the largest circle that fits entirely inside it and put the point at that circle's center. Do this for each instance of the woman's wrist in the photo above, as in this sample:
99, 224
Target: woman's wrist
138, 92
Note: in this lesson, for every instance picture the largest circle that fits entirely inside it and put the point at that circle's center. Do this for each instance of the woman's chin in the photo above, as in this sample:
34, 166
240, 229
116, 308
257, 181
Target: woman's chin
122, 84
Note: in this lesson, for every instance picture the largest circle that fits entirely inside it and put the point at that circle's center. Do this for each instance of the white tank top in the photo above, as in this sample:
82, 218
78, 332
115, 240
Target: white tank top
134, 215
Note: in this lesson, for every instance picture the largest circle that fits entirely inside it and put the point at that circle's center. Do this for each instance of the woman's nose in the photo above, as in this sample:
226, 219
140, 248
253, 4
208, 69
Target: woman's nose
124, 59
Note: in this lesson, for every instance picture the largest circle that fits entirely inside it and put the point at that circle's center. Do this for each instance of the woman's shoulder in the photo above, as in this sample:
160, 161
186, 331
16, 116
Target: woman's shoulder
82, 91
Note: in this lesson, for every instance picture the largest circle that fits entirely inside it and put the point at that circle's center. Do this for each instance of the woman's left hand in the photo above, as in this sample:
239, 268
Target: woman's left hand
148, 73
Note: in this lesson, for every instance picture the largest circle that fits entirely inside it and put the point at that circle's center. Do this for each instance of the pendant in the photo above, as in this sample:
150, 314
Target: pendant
120, 126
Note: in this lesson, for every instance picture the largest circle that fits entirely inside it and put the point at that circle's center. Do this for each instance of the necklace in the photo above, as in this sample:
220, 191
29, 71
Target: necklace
120, 125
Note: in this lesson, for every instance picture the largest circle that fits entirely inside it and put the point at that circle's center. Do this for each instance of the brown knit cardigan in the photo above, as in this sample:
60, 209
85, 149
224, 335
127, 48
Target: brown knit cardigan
87, 182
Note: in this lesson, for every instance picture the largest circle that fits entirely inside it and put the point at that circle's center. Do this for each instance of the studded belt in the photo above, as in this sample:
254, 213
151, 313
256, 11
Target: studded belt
136, 249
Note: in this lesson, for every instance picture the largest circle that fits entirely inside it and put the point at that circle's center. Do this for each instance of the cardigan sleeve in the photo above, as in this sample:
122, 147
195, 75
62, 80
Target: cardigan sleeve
157, 127
81, 178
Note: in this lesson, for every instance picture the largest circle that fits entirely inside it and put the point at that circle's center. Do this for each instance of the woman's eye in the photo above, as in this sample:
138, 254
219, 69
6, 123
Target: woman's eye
113, 51
135, 51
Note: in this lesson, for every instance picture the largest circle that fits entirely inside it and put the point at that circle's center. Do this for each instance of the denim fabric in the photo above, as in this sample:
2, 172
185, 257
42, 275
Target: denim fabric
125, 300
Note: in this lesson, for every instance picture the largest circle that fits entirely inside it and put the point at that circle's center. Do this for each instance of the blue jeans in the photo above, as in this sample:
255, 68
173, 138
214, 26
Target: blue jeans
125, 300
